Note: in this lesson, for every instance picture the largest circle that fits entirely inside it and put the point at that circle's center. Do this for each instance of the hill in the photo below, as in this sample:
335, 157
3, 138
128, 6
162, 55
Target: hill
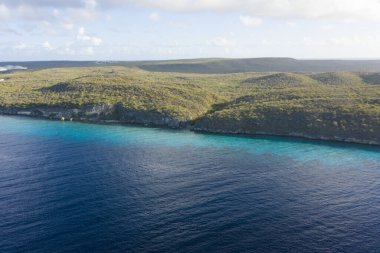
333, 105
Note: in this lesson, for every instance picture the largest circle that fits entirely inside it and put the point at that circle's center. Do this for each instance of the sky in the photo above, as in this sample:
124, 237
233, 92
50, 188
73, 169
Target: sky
178, 29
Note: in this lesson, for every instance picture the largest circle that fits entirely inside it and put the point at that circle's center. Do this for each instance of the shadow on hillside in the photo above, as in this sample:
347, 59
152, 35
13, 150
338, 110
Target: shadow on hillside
222, 106
371, 78
58, 88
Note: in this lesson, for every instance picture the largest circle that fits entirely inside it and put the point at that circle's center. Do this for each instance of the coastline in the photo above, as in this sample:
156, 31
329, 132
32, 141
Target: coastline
105, 114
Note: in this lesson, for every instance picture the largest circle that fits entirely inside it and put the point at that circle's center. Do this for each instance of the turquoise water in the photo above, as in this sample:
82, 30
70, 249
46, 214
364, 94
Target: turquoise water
300, 150
68, 186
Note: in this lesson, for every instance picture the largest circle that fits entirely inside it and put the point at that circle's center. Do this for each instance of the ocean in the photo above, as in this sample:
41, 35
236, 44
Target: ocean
75, 187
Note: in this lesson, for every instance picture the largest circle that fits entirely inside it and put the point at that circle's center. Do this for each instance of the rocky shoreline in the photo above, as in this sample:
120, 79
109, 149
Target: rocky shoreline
117, 114
95, 113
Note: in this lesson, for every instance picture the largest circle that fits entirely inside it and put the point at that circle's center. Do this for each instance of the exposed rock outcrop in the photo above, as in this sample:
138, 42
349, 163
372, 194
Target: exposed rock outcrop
97, 113
321, 126
325, 126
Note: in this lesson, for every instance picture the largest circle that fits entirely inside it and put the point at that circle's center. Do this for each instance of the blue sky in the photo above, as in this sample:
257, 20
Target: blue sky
168, 29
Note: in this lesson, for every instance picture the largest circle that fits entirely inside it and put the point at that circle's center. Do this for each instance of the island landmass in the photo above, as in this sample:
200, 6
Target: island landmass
334, 105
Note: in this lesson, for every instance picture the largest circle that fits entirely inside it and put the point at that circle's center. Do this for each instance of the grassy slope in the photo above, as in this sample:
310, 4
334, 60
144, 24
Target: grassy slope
179, 95
330, 105
314, 104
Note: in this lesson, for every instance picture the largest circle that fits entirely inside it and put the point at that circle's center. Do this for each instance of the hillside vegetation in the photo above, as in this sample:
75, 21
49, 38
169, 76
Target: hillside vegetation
331, 105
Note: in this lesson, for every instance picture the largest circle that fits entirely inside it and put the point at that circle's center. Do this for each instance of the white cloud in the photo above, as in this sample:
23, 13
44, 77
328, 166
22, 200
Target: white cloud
92, 40
48, 27
321, 9
20, 46
88, 51
250, 21
266, 42
291, 24
324, 28
81, 31
28, 12
56, 13
328, 27
66, 49
222, 42
154, 17
47, 46
354, 41
189, 5
342, 10
341, 42
178, 25
4, 12
313, 9
67, 24
90, 4
87, 11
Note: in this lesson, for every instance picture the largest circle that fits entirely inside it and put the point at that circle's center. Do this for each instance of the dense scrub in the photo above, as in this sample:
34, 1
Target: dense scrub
333, 105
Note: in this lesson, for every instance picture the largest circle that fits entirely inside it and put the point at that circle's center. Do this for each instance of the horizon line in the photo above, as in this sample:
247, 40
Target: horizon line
205, 58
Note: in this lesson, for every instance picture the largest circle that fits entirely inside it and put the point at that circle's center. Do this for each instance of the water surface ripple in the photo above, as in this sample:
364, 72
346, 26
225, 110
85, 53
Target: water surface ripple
72, 187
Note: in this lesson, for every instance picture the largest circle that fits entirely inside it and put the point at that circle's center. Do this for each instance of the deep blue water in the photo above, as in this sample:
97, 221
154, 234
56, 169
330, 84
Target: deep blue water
72, 187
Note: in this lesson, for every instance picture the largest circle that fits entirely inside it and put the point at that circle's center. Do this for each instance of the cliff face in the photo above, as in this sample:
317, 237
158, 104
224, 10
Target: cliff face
96, 113
357, 128
323, 126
